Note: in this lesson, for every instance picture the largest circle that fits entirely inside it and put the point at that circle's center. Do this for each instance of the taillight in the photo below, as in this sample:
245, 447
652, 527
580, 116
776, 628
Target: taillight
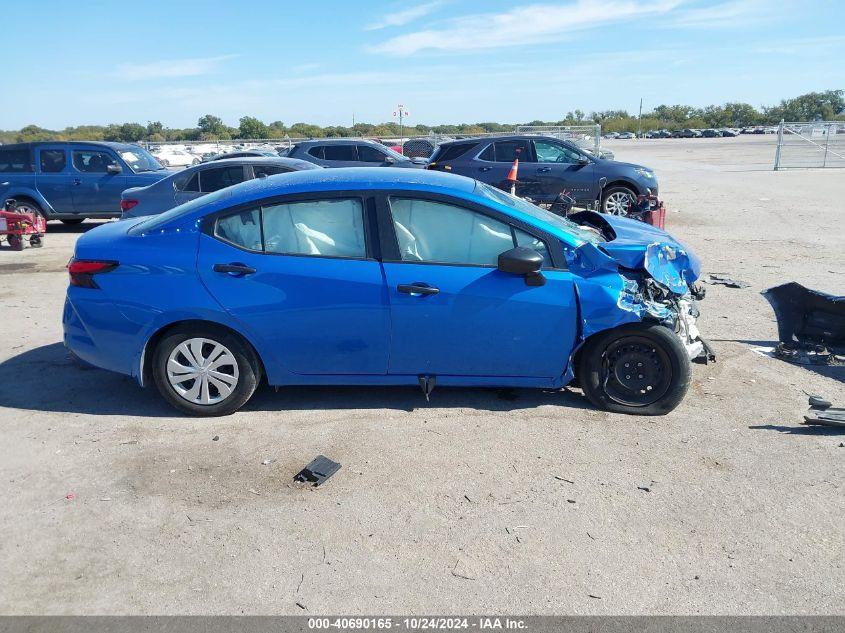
82, 271
125, 205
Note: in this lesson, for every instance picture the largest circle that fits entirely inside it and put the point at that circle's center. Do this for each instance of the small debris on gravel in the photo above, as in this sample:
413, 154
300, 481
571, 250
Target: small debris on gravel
559, 478
267, 462
594, 596
644, 488
301, 606
215, 438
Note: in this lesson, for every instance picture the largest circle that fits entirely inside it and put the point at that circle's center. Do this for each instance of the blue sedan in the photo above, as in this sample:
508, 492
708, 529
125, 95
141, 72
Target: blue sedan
369, 276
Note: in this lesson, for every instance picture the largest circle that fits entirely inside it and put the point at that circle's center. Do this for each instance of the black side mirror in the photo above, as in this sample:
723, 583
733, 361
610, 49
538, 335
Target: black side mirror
389, 160
583, 160
114, 169
523, 261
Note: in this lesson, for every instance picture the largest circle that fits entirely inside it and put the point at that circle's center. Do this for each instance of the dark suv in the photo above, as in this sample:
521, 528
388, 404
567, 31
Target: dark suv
547, 166
351, 153
74, 180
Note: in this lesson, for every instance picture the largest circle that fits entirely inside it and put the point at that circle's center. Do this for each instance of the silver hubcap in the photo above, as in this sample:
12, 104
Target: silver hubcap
202, 371
617, 203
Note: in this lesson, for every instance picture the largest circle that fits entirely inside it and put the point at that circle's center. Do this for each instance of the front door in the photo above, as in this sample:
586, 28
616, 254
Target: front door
454, 313
53, 177
299, 278
557, 168
96, 190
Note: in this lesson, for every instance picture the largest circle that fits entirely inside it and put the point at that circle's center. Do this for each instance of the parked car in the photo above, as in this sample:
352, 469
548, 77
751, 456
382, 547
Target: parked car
174, 157
611, 135
202, 179
71, 181
383, 277
686, 133
710, 133
727, 132
547, 167
627, 135
247, 153
351, 153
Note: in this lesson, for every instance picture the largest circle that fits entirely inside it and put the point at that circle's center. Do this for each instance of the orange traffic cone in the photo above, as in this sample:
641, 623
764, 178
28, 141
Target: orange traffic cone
512, 175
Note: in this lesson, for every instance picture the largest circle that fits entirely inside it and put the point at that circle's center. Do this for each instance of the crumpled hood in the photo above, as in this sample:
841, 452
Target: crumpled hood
638, 245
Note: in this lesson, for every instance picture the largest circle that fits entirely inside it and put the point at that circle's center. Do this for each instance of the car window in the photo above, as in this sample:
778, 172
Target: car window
12, 160
437, 232
339, 152
367, 154
333, 228
488, 154
508, 151
189, 182
241, 229
548, 152
261, 171
92, 161
316, 152
451, 152
220, 177
529, 241
53, 160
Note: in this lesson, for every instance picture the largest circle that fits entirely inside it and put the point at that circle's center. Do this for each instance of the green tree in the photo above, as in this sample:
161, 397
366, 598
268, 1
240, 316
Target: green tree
212, 127
250, 127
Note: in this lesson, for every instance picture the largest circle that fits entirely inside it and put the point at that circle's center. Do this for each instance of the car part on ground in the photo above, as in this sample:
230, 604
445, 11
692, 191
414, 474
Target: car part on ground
716, 279
811, 325
350, 277
823, 413
317, 471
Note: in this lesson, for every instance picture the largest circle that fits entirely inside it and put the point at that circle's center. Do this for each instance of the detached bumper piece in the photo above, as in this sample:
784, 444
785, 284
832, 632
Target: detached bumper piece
316, 472
823, 413
811, 325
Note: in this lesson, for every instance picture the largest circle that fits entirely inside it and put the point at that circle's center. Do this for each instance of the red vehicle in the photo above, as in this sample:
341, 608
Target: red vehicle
15, 226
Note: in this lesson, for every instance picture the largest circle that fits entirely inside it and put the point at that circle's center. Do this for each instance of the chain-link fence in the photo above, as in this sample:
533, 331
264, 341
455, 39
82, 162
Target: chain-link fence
804, 145
588, 136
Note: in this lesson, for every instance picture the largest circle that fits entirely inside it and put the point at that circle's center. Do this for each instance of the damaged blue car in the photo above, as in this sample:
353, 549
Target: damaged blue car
368, 276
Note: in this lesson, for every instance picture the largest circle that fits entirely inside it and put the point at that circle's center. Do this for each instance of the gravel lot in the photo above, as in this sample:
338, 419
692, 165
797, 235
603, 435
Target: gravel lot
481, 501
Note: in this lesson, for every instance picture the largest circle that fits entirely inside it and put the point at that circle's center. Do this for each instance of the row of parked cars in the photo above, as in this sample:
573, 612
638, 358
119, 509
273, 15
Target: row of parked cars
71, 181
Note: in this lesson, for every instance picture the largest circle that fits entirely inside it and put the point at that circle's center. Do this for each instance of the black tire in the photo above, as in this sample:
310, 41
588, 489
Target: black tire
28, 206
246, 376
36, 241
73, 221
649, 348
610, 196
15, 242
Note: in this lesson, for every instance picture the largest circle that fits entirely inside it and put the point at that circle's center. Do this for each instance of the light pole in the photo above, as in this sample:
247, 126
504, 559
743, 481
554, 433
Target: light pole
640, 120
401, 113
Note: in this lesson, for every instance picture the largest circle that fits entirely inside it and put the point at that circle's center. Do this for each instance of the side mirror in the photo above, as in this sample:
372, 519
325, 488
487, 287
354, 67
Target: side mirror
523, 261
113, 169
389, 160
583, 160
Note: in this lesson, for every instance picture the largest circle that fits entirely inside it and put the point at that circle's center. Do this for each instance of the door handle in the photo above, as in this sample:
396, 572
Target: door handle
77, 181
234, 269
417, 288
484, 168
544, 170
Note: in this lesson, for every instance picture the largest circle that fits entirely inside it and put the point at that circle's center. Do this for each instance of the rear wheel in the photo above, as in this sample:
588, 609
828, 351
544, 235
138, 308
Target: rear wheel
73, 221
15, 242
28, 206
617, 200
637, 368
205, 370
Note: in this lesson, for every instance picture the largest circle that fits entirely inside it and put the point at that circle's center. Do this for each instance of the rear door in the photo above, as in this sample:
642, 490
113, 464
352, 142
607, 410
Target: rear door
209, 179
299, 274
453, 313
369, 156
496, 160
53, 177
556, 168
96, 191
341, 155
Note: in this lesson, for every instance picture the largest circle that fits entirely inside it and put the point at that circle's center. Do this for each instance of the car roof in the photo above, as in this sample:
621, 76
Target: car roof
501, 137
111, 144
339, 141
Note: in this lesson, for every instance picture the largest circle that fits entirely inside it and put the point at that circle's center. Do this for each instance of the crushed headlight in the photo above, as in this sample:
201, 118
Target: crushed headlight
645, 173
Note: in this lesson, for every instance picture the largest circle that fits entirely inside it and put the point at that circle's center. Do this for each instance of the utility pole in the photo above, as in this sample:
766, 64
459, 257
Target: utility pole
640, 120
401, 113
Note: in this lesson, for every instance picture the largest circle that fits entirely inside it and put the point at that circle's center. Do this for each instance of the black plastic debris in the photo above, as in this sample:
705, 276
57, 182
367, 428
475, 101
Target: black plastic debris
811, 325
316, 472
427, 384
823, 413
716, 279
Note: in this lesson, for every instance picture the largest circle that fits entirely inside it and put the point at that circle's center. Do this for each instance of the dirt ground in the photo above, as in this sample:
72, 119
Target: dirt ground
481, 501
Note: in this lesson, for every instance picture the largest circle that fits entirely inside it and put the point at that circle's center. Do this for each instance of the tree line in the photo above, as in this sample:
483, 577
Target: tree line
827, 105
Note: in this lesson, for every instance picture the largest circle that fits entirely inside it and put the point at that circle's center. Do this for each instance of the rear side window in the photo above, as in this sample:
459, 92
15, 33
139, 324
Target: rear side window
53, 160
191, 183
242, 229
261, 171
15, 160
316, 152
367, 154
339, 152
92, 161
219, 178
451, 152
508, 151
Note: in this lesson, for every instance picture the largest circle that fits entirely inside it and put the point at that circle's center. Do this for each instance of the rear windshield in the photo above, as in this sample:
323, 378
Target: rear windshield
536, 212
451, 152
155, 222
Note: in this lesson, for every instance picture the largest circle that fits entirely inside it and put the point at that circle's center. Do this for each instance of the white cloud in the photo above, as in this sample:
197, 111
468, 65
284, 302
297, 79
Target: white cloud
171, 68
400, 18
522, 25
722, 15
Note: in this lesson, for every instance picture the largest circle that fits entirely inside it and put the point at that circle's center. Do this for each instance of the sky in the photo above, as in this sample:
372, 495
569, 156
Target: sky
447, 61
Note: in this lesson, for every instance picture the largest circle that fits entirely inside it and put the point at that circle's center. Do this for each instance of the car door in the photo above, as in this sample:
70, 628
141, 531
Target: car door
452, 312
96, 190
369, 156
299, 275
53, 178
340, 155
558, 167
495, 161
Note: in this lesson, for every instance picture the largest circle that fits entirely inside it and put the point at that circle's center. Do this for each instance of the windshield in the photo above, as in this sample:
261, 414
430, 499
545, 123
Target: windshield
392, 152
540, 214
139, 160
153, 223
